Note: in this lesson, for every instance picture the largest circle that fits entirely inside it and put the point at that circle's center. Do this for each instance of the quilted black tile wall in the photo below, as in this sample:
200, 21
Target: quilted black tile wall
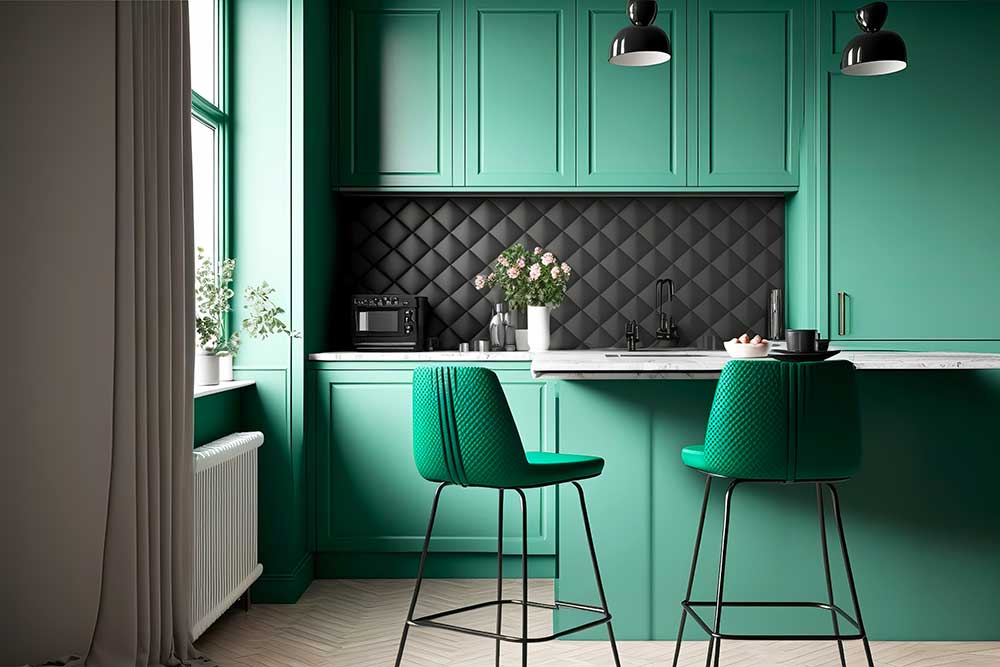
723, 254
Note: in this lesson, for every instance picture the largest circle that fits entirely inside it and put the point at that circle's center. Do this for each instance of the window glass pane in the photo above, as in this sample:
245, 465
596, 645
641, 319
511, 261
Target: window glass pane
203, 167
203, 47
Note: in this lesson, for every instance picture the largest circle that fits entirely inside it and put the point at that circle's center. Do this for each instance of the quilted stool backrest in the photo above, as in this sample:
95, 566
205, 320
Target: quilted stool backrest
784, 421
463, 430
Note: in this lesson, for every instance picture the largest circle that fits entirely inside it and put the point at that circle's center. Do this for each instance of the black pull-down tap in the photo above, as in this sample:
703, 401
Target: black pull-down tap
666, 329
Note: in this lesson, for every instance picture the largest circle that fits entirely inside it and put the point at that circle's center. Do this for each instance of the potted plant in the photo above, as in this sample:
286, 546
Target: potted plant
536, 280
217, 347
212, 296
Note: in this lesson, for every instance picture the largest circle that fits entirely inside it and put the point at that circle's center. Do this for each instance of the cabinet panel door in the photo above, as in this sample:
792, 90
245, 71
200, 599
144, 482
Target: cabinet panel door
631, 121
395, 93
371, 498
750, 73
520, 93
913, 163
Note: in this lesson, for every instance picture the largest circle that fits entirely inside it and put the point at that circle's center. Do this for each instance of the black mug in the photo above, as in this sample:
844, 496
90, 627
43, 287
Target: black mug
800, 340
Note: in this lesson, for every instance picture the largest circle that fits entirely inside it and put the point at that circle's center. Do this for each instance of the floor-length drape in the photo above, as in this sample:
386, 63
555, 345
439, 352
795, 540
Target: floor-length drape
143, 617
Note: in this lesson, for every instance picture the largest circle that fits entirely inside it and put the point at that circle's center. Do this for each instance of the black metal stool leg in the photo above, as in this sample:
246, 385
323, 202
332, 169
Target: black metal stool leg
826, 569
420, 573
850, 574
524, 578
597, 572
499, 573
716, 644
694, 566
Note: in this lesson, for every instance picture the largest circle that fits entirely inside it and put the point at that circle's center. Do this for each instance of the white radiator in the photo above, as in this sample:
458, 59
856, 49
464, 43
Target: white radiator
225, 525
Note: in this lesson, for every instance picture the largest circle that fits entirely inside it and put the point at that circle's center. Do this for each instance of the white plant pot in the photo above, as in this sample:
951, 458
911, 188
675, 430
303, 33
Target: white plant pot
225, 367
538, 328
206, 368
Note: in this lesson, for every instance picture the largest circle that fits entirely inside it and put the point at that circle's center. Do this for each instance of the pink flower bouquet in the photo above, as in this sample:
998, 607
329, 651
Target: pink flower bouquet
534, 278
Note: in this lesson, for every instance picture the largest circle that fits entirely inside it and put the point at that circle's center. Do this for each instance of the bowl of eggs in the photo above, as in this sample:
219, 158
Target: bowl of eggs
746, 347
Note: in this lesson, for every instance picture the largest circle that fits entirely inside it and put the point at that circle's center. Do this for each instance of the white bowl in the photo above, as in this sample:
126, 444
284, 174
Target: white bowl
747, 350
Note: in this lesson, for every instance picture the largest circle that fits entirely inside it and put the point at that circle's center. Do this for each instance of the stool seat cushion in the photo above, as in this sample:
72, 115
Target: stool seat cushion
546, 468
694, 457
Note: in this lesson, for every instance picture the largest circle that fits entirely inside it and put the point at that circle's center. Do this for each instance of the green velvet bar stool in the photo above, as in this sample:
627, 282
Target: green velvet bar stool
464, 435
776, 422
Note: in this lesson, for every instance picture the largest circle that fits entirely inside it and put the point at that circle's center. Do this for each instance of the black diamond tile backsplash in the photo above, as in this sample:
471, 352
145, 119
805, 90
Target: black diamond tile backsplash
723, 253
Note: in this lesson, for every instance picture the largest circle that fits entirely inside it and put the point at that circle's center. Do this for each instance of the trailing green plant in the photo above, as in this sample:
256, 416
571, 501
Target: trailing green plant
535, 278
212, 296
213, 293
264, 315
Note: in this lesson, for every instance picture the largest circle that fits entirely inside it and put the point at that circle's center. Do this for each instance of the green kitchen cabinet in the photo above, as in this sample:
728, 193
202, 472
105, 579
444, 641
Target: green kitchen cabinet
370, 498
911, 177
395, 93
519, 93
750, 92
631, 121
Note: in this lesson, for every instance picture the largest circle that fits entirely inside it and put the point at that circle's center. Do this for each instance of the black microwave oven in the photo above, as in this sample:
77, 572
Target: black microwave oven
388, 322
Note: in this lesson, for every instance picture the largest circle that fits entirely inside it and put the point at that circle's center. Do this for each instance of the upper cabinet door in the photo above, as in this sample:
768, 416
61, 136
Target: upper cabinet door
914, 232
519, 93
750, 74
396, 93
632, 121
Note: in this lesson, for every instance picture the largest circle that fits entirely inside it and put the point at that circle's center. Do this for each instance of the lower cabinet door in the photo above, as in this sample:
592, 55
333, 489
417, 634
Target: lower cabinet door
370, 497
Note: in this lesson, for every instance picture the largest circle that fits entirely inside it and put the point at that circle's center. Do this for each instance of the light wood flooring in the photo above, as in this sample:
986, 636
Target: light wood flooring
357, 623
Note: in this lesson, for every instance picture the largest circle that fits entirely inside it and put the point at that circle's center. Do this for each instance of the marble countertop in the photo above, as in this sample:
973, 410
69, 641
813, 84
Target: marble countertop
440, 355
596, 364
660, 364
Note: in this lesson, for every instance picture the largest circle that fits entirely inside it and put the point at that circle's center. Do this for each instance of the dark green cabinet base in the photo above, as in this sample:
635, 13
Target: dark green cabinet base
920, 517
372, 506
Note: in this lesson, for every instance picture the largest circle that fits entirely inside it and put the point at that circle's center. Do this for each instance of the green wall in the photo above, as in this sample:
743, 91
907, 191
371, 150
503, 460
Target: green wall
218, 415
280, 208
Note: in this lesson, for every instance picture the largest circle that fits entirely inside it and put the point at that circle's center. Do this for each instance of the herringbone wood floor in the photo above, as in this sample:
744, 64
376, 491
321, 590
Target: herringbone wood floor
357, 623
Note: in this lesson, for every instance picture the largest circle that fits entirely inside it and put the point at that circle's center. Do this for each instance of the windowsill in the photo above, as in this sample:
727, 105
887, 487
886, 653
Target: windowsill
209, 389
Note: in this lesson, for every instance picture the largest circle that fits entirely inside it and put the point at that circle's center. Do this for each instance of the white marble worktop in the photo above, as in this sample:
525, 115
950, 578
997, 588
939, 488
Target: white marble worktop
598, 364
660, 364
440, 355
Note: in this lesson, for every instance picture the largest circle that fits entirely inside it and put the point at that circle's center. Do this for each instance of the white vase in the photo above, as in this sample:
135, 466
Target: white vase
225, 368
538, 328
206, 368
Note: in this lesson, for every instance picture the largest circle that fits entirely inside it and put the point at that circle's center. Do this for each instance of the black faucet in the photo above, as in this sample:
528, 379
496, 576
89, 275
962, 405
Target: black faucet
666, 329
631, 335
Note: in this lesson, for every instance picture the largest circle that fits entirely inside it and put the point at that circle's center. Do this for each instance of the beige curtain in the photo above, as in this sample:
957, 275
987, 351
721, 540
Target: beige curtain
96, 407
143, 616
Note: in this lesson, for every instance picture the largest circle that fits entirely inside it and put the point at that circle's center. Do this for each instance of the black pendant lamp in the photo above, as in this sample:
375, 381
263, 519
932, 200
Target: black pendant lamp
641, 43
874, 51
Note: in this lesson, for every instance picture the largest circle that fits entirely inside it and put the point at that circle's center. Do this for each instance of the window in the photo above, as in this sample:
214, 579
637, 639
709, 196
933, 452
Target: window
209, 124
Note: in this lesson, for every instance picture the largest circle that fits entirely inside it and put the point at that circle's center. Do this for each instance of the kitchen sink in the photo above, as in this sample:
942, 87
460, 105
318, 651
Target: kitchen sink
677, 352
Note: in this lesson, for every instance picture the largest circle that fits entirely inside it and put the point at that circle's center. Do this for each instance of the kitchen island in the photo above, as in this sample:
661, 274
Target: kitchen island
921, 516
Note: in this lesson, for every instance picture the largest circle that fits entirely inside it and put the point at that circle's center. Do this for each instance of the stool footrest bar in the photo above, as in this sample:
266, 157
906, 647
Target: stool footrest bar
689, 607
431, 620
